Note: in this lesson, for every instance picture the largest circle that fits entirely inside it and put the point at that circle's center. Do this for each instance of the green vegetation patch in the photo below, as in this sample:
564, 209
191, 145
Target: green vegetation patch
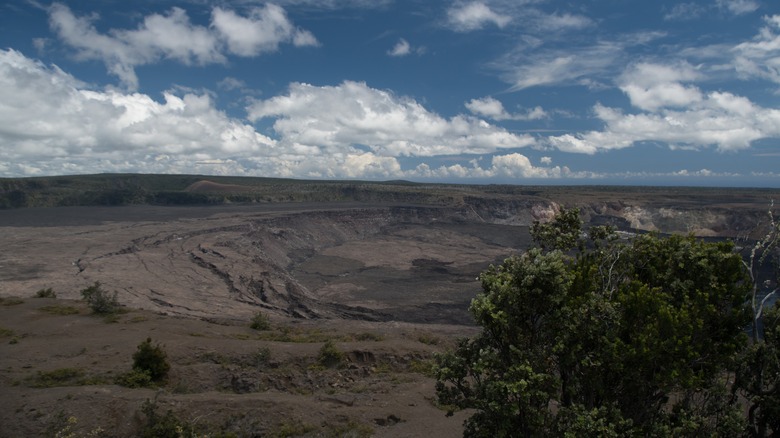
60, 309
299, 335
292, 428
46, 293
5, 332
260, 322
100, 301
62, 377
10, 301
428, 339
330, 356
367, 336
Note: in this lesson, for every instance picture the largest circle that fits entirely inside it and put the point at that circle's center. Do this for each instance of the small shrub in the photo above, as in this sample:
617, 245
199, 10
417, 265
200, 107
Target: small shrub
151, 359
262, 357
99, 300
134, 379
428, 339
330, 356
368, 336
5, 333
426, 367
46, 293
260, 322
163, 426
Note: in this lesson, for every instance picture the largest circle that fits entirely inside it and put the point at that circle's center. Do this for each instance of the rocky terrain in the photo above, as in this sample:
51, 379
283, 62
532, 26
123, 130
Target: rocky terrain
388, 281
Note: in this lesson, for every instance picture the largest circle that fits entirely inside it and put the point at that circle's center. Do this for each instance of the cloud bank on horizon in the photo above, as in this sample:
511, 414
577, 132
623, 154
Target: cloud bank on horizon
458, 91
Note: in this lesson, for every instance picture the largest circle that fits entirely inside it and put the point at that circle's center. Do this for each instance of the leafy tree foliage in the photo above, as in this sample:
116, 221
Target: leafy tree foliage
618, 338
100, 301
151, 359
260, 322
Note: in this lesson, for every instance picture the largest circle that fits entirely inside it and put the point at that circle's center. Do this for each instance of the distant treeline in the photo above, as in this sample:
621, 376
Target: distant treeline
133, 189
151, 189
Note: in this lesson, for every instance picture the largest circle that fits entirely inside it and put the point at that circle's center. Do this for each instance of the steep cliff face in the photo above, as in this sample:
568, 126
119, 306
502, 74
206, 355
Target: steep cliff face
706, 220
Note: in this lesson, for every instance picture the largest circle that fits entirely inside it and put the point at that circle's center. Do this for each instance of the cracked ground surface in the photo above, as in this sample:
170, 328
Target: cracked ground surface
389, 286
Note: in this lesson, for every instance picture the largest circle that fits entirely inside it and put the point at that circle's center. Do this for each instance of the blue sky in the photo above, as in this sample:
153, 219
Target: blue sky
520, 91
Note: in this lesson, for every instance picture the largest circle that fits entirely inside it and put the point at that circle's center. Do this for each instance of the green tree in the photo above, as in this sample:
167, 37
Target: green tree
151, 359
619, 338
100, 301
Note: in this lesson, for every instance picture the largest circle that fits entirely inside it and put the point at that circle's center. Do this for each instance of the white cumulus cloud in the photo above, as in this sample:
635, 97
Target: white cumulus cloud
47, 116
262, 31
761, 57
493, 109
353, 114
502, 166
401, 48
652, 86
52, 123
720, 119
173, 36
474, 16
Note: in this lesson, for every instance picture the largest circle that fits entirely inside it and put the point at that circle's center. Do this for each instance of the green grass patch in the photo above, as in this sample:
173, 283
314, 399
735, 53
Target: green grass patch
300, 336
428, 339
426, 367
60, 309
10, 301
5, 332
292, 428
351, 428
62, 377
367, 336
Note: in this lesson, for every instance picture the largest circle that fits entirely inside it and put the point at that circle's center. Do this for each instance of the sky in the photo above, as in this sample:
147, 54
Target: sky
631, 92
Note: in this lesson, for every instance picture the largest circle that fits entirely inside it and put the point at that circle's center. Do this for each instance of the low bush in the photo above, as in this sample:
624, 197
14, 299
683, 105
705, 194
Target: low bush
152, 360
260, 322
163, 426
330, 356
134, 379
100, 301
262, 357
46, 293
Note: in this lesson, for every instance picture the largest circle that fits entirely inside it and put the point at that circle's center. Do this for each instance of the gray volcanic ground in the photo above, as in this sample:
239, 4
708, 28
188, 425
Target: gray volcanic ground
389, 283
367, 261
413, 264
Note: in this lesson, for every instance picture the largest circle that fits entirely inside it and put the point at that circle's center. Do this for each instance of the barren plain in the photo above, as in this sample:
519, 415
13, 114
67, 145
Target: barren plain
388, 282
